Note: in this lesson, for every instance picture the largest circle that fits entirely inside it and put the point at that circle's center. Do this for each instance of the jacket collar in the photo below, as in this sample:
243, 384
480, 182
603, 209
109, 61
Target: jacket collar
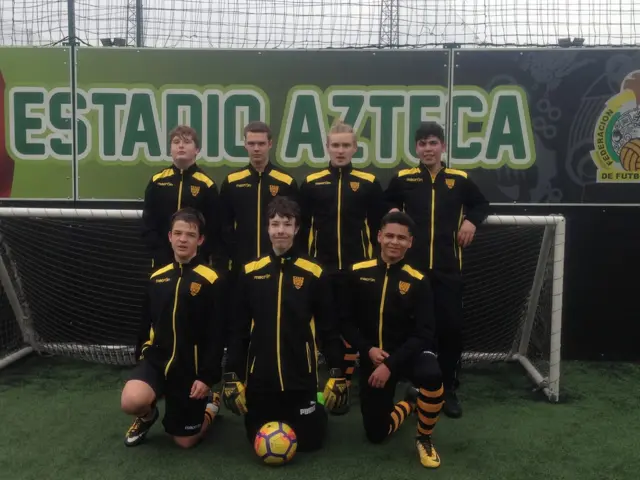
192, 169
268, 167
391, 267
190, 265
289, 256
345, 169
425, 170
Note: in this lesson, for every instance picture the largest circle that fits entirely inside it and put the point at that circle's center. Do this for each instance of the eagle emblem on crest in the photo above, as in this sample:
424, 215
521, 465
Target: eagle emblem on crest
195, 190
404, 287
354, 186
274, 190
194, 288
450, 182
298, 282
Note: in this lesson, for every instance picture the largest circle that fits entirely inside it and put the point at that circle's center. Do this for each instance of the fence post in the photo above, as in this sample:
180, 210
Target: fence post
139, 24
451, 47
73, 43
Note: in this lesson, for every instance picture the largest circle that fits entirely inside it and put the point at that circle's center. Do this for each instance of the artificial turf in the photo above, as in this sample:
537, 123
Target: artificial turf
61, 420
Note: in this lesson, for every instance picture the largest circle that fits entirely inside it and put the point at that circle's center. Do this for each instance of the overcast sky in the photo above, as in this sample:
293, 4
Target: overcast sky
323, 23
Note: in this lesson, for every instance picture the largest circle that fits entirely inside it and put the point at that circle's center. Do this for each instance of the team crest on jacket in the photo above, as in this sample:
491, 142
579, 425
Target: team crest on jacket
404, 287
298, 282
354, 186
450, 182
195, 190
194, 288
274, 190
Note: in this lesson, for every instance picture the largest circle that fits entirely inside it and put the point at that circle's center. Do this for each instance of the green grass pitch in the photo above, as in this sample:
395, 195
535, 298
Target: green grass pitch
61, 420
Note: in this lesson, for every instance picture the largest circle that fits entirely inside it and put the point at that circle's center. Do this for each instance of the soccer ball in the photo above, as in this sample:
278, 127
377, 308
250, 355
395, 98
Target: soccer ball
275, 443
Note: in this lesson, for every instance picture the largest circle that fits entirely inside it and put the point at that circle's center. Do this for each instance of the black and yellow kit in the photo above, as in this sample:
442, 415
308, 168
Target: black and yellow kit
283, 306
438, 206
341, 211
171, 190
244, 197
182, 329
390, 306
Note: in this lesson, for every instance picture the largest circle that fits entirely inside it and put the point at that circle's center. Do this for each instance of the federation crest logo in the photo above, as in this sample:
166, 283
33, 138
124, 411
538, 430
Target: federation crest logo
404, 287
274, 190
194, 288
195, 190
616, 136
450, 182
298, 282
354, 186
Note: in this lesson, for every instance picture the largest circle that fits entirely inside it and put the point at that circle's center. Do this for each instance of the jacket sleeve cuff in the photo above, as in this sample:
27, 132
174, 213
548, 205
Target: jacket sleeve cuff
363, 349
209, 379
475, 219
390, 362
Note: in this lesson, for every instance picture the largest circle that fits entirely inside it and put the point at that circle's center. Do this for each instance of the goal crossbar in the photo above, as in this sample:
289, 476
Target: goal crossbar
549, 269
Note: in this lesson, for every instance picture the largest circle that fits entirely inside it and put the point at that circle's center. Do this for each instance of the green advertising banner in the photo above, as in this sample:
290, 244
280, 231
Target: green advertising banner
127, 101
35, 126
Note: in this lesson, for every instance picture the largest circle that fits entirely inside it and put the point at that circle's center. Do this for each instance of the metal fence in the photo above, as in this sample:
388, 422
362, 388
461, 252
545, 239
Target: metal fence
313, 24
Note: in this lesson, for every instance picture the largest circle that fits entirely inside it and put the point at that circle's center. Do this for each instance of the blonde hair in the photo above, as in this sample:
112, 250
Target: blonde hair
339, 126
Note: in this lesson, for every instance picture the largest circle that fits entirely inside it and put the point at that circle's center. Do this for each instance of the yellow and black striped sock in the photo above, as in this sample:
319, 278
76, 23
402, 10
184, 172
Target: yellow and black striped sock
350, 357
401, 411
429, 405
211, 410
208, 417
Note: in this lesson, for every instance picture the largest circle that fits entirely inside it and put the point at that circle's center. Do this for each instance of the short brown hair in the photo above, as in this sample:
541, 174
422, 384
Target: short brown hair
257, 127
185, 131
189, 215
284, 207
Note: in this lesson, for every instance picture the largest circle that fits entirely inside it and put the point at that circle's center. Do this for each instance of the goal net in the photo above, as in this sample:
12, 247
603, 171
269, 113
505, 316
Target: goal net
77, 278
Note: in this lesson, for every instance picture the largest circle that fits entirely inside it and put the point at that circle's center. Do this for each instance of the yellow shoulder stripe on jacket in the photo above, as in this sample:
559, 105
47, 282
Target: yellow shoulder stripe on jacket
369, 177
413, 272
283, 177
408, 171
257, 265
310, 267
162, 270
317, 175
206, 272
234, 177
167, 172
203, 178
453, 171
365, 264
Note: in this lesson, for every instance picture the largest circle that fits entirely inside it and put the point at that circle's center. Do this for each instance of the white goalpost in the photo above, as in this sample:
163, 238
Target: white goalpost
72, 282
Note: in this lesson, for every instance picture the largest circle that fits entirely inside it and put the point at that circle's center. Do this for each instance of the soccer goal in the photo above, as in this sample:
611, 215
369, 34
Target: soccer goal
73, 282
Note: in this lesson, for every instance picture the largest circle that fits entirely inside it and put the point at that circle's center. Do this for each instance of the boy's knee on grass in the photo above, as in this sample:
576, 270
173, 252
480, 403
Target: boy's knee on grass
136, 397
376, 430
376, 435
187, 442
